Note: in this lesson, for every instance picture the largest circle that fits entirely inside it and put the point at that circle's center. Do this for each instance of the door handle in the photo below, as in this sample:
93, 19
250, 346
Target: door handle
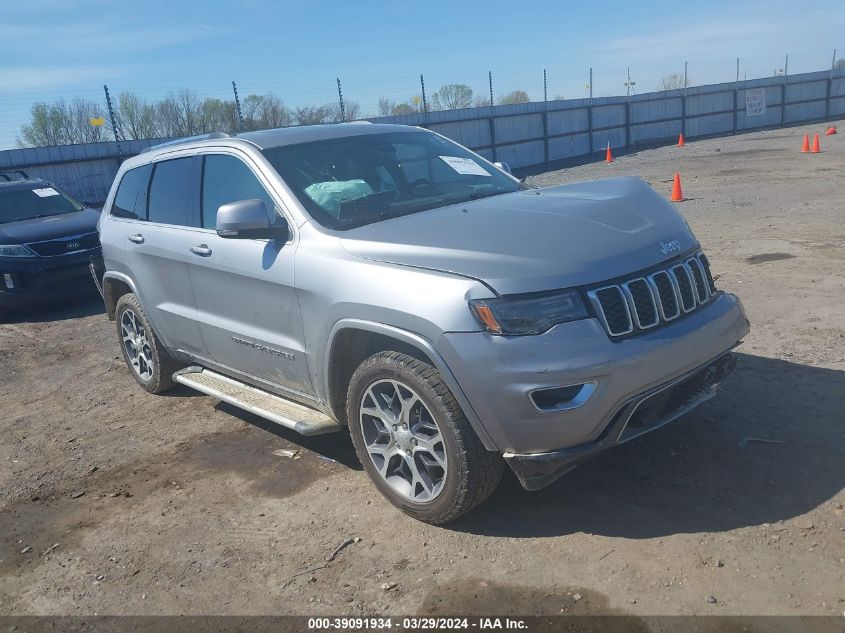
137, 238
201, 249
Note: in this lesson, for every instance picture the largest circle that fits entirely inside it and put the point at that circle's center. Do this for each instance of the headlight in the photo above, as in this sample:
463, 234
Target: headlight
529, 314
15, 250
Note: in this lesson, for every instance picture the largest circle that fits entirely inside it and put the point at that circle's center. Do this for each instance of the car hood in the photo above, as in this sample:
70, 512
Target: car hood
50, 227
535, 240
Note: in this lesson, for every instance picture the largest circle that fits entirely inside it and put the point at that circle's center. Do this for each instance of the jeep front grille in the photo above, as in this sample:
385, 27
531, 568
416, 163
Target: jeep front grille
641, 303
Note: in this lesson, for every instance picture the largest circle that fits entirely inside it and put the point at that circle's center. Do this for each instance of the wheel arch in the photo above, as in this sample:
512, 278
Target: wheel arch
351, 341
115, 285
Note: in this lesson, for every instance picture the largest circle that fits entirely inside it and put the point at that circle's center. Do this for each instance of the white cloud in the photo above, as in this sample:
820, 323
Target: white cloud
83, 39
22, 78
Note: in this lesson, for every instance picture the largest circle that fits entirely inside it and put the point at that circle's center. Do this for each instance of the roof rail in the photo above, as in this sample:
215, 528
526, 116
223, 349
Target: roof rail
21, 172
188, 139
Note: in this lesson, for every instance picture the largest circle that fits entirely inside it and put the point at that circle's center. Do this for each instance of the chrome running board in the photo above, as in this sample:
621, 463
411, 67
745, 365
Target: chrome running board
262, 403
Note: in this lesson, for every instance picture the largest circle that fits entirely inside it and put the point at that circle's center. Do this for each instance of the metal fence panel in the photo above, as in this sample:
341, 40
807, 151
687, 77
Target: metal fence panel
526, 134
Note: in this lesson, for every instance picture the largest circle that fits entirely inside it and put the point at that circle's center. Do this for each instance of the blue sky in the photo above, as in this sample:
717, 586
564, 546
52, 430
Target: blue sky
65, 48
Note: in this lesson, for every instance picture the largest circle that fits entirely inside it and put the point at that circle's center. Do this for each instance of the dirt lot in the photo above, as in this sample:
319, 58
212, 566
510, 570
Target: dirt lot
115, 501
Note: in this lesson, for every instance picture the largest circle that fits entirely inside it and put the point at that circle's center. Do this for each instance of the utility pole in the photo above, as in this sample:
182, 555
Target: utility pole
492, 122
737, 68
545, 87
590, 85
629, 83
113, 123
238, 107
424, 102
833, 63
342, 107
786, 68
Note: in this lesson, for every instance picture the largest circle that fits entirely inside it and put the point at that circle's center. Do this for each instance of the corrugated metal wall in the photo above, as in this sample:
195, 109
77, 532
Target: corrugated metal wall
86, 171
527, 133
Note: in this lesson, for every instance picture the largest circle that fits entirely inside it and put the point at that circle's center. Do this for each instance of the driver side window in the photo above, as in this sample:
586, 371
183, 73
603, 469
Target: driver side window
228, 179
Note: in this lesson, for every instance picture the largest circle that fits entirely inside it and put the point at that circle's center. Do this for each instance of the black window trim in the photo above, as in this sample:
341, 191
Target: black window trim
195, 210
123, 218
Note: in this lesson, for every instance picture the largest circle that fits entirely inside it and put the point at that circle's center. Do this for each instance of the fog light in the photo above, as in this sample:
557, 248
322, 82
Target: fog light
563, 398
10, 283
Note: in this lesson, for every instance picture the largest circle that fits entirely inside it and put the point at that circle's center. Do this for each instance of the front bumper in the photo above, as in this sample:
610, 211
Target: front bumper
644, 413
39, 279
497, 374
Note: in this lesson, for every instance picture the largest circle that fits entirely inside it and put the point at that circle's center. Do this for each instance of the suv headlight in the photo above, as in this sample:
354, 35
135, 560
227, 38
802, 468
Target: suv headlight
15, 250
529, 314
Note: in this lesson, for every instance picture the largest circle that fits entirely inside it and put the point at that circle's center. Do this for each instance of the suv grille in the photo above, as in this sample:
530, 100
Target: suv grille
66, 245
641, 303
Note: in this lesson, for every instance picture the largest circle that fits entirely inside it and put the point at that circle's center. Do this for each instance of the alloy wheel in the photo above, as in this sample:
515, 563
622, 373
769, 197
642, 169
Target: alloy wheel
137, 345
403, 440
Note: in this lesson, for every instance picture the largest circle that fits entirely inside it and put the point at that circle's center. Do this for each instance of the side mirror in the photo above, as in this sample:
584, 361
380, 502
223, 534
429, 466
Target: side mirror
503, 166
249, 219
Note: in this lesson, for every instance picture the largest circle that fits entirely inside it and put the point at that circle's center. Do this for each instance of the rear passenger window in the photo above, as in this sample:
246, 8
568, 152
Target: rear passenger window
171, 193
130, 201
227, 179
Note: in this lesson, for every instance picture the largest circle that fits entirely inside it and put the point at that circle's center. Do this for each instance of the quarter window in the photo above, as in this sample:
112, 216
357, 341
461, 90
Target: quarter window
171, 193
227, 179
130, 201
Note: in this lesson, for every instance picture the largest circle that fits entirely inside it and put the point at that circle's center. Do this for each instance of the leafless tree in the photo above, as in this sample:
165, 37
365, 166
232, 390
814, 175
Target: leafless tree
840, 64
352, 110
452, 97
672, 81
136, 118
310, 115
515, 96
263, 112
386, 106
481, 101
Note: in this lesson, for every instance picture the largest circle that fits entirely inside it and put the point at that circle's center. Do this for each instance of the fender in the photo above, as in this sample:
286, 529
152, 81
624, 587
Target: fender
420, 343
111, 274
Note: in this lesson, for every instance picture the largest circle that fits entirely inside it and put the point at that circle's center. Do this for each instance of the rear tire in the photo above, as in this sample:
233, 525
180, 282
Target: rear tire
149, 362
415, 441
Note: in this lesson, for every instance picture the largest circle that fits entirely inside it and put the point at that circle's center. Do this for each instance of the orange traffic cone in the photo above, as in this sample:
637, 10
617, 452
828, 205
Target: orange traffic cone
677, 193
830, 130
816, 148
681, 139
805, 148
608, 157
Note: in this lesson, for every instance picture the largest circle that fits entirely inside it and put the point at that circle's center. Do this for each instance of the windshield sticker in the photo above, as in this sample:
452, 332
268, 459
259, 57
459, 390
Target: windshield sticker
465, 166
46, 192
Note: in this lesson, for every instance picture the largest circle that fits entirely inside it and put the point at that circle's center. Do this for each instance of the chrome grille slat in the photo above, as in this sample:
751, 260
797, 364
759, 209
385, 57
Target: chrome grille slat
644, 302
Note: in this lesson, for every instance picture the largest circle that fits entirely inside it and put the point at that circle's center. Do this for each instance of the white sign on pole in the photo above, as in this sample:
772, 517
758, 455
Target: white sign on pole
755, 101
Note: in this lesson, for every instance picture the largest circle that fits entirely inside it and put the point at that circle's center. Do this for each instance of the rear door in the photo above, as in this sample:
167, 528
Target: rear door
157, 253
248, 307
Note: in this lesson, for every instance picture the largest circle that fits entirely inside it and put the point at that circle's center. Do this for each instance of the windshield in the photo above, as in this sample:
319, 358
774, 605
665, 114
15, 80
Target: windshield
356, 180
38, 202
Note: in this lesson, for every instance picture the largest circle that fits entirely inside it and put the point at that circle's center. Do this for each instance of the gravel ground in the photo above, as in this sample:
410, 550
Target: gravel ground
115, 501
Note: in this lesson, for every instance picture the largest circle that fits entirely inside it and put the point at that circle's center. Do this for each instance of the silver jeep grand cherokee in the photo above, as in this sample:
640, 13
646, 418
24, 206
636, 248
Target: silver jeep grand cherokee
384, 279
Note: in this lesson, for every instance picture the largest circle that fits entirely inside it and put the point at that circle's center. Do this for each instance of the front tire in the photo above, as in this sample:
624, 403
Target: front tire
149, 362
415, 441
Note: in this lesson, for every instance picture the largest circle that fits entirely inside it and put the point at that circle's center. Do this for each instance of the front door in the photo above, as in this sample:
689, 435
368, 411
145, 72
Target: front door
247, 305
